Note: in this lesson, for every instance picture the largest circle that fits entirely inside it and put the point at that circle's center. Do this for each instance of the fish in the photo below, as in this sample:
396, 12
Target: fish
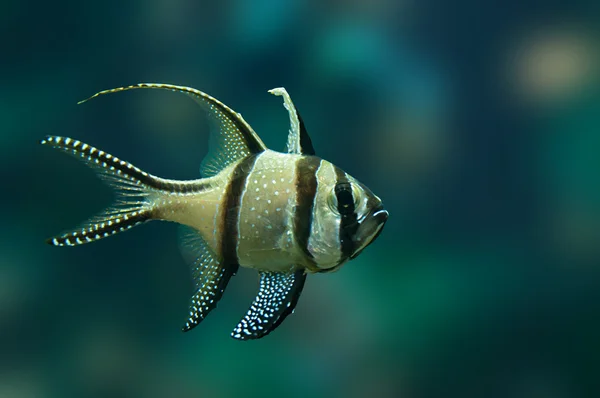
283, 214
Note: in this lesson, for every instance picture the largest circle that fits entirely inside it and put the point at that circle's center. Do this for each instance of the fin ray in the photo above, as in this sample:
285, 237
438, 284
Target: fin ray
277, 297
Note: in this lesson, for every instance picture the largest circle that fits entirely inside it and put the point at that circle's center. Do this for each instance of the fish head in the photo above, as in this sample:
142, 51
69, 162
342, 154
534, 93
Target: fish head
362, 216
348, 216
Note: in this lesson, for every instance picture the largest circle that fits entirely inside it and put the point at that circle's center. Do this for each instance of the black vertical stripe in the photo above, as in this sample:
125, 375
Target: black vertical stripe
349, 222
306, 190
231, 210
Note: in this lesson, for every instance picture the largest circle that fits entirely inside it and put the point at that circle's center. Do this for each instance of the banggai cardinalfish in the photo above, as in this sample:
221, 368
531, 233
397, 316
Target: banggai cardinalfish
285, 215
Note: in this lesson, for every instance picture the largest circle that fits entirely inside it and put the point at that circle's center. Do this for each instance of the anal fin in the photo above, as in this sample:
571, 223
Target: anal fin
276, 299
210, 276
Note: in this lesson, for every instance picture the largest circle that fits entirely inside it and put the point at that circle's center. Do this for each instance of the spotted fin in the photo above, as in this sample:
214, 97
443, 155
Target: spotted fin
210, 276
132, 186
276, 299
298, 139
231, 137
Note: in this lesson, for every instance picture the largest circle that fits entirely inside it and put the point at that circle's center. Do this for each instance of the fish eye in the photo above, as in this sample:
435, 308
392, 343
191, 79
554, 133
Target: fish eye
344, 198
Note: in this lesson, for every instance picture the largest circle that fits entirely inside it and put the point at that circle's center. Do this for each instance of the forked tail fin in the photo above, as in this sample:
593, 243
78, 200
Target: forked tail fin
134, 189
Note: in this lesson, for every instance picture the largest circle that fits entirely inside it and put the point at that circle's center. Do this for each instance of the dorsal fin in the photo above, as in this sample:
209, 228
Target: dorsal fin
231, 138
298, 139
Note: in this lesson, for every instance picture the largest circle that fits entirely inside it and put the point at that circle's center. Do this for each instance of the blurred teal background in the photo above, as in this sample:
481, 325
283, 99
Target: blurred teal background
478, 123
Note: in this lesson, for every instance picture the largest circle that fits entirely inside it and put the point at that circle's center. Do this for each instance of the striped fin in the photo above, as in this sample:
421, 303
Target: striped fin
298, 139
278, 295
210, 276
231, 138
131, 184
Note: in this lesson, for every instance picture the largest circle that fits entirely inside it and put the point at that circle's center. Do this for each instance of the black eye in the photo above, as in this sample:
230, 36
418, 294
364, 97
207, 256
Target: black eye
345, 198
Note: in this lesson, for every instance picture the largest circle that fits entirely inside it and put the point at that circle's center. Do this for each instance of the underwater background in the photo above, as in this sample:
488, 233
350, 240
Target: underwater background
477, 123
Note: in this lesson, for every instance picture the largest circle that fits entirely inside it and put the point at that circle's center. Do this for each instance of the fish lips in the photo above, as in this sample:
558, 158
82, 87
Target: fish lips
369, 229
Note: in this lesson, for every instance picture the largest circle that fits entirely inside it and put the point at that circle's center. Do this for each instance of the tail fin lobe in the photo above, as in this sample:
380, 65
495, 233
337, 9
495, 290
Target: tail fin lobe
99, 228
134, 189
110, 168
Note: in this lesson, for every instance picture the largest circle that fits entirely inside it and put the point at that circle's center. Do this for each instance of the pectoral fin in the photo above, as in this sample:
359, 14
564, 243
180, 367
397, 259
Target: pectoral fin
210, 276
276, 299
298, 139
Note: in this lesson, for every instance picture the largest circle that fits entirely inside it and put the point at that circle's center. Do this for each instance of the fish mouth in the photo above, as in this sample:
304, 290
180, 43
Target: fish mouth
370, 229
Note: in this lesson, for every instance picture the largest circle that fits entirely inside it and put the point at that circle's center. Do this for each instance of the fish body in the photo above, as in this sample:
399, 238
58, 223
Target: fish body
283, 214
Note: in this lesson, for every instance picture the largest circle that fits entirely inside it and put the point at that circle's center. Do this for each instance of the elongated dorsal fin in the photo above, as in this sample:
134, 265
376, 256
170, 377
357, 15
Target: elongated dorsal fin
210, 276
231, 138
276, 299
298, 139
